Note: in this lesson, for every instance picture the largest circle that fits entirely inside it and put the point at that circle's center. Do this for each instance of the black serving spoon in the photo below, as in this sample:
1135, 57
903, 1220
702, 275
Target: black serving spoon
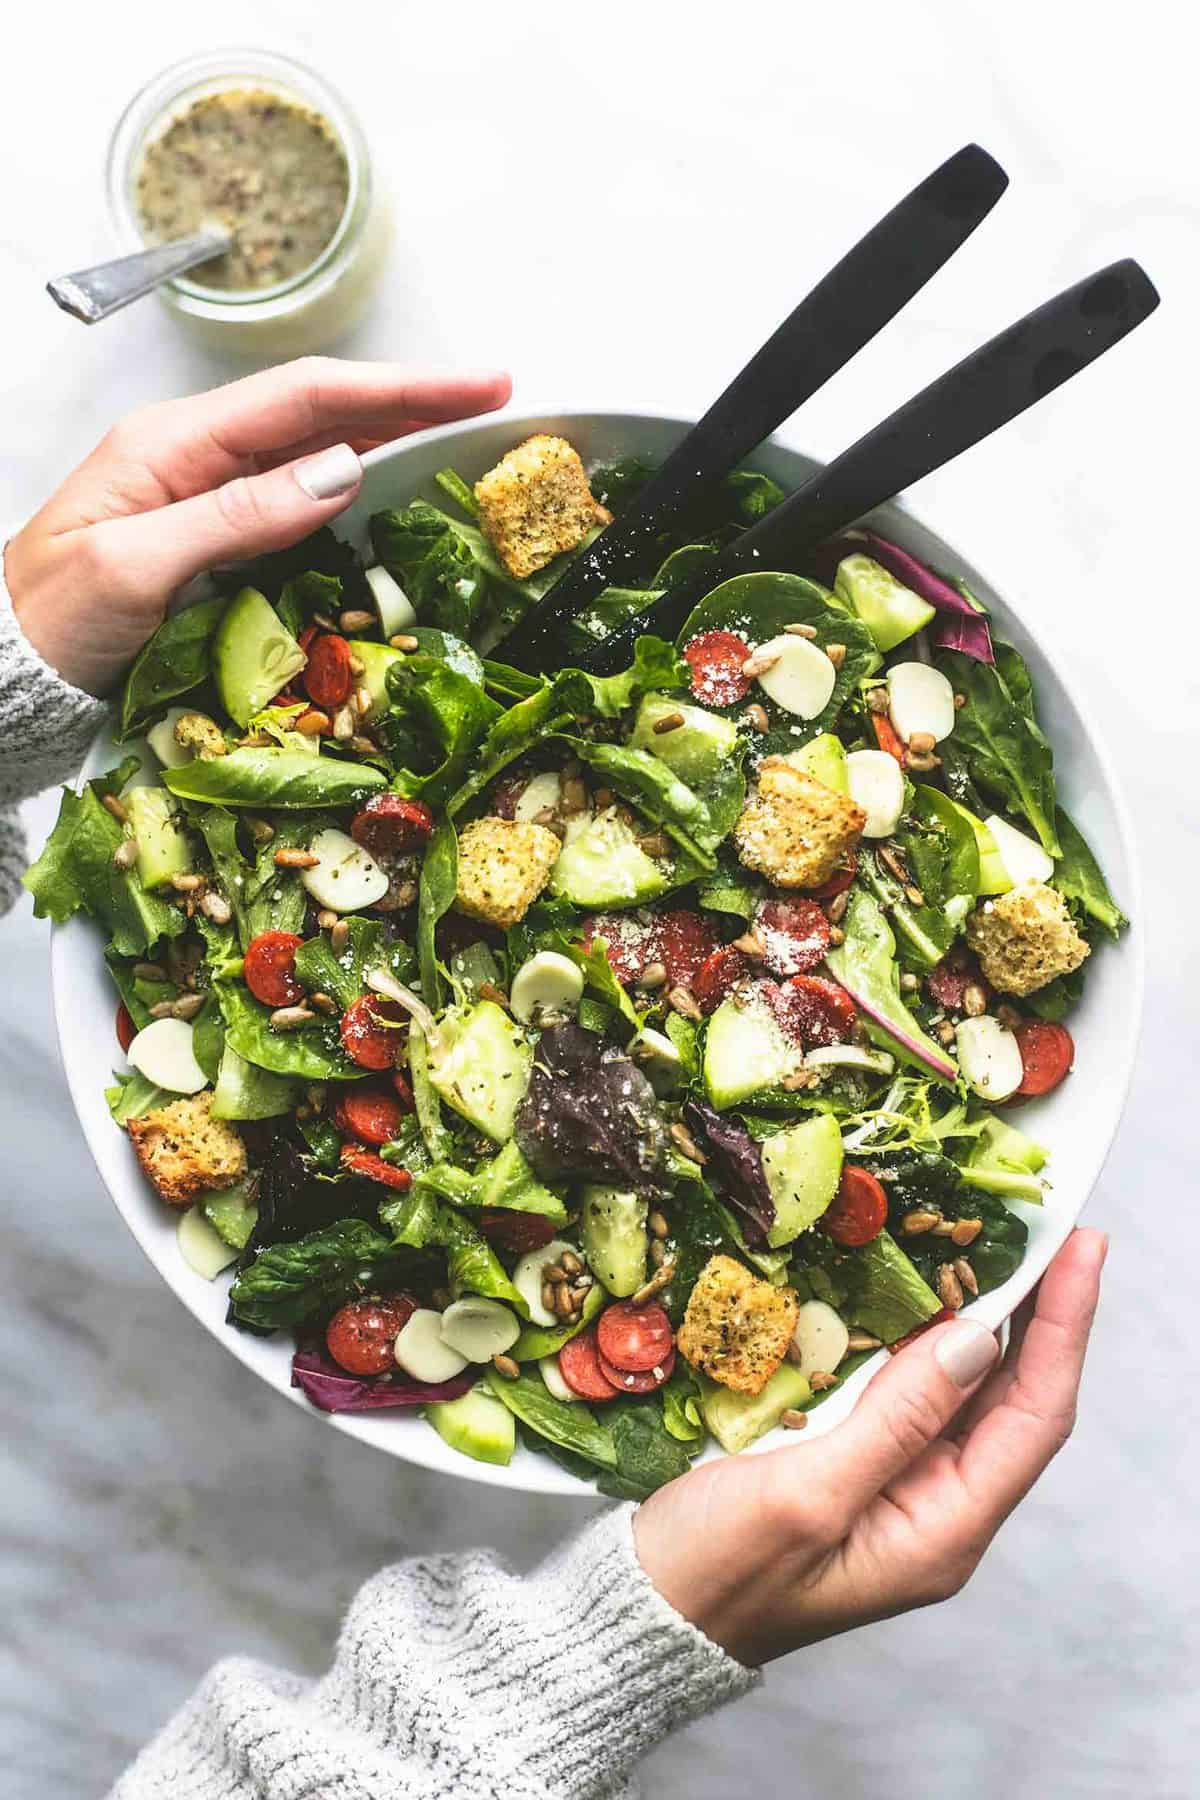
1001, 379
843, 312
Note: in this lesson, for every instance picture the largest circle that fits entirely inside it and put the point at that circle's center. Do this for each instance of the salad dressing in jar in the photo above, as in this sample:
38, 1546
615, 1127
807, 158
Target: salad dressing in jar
262, 147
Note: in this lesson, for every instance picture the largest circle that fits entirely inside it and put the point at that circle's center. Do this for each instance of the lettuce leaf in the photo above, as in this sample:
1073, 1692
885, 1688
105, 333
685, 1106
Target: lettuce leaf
1006, 752
75, 872
1077, 876
175, 660
291, 1283
866, 967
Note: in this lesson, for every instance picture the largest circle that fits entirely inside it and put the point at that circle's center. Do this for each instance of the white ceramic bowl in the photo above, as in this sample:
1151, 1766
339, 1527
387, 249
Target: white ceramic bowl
1077, 1123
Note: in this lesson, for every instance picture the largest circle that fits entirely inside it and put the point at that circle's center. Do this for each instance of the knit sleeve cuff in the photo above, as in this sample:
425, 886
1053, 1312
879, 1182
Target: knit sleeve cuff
48, 724
559, 1682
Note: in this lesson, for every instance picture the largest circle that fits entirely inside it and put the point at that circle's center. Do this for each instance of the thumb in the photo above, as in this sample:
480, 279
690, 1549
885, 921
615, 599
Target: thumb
906, 1406
158, 551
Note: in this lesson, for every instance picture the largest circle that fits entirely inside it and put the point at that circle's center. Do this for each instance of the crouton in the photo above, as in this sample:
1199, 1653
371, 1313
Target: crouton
201, 735
737, 1326
503, 865
536, 503
184, 1151
794, 829
1025, 938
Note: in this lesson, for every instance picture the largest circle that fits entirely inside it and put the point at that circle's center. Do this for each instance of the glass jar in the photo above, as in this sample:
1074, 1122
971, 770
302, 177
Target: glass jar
309, 309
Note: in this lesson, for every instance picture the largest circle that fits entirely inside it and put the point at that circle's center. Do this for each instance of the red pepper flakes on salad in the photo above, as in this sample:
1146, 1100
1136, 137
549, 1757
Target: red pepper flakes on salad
613, 1058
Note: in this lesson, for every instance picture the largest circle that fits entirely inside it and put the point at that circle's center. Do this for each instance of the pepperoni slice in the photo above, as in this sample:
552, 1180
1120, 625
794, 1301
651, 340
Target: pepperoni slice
910, 1337
306, 637
956, 972
634, 1338
839, 881
370, 1114
328, 676
579, 1366
389, 825
813, 1010
632, 941
685, 942
627, 1381
516, 1232
717, 975
361, 1337
1047, 1052
126, 1029
365, 1162
858, 1211
270, 968
369, 1035
404, 1093
887, 737
715, 659
795, 933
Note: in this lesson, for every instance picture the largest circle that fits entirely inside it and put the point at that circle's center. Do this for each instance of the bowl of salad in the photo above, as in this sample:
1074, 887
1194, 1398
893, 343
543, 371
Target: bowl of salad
554, 1079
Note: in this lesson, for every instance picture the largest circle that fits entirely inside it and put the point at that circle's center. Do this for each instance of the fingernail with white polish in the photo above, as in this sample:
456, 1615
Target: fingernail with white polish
335, 471
966, 1352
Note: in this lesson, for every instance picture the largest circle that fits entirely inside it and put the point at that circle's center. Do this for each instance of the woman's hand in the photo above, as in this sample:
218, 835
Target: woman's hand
182, 486
893, 1508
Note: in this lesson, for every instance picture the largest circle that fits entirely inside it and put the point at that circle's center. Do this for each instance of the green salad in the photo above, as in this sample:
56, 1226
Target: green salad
608, 1063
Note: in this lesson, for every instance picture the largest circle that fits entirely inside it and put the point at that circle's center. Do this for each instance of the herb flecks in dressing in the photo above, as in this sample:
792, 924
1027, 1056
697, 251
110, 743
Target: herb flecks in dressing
268, 168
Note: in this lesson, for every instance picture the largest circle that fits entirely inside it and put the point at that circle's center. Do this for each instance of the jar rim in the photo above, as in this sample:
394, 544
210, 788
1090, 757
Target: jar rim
213, 71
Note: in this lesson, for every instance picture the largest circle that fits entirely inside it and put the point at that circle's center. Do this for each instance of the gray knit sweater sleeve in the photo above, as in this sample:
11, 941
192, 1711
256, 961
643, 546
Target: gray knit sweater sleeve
457, 1680
46, 726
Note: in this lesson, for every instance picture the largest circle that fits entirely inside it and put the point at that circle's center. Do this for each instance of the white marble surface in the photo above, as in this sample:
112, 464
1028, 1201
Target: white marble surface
618, 201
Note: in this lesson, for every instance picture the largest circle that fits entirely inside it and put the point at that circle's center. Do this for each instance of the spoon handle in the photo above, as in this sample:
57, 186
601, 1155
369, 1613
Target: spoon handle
92, 294
848, 306
997, 382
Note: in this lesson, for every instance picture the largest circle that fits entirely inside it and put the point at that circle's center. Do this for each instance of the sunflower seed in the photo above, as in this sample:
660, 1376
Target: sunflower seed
791, 1420
111, 804
966, 1275
125, 854
291, 1018
920, 1220
949, 1287
966, 1231
356, 619
288, 858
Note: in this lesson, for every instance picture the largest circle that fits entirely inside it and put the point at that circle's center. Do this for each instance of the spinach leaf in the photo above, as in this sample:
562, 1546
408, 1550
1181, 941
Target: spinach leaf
758, 607
648, 1456
290, 1283
1005, 751
269, 776
615, 484
441, 712
877, 1288
176, 660
1059, 997
1077, 875
421, 1220
729, 890
304, 595
132, 1095
511, 684
208, 1038
446, 568
133, 992
571, 1426
342, 974
698, 822
505, 1181
75, 872
1014, 672
942, 848
752, 495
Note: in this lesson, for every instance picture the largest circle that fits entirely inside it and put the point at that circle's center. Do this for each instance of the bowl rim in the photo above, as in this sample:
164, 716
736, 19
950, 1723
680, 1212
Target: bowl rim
991, 1310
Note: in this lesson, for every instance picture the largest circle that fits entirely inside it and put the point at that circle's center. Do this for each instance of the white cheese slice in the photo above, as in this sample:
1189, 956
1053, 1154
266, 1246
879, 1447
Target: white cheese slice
802, 680
163, 1053
920, 699
345, 877
877, 785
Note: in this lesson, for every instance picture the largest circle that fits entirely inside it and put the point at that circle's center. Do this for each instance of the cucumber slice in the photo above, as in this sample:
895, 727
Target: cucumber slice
745, 1051
735, 1420
615, 1241
479, 1063
244, 1091
890, 611
163, 848
803, 1166
552, 1376
824, 758
392, 603
477, 1425
527, 1279
696, 749
200, 1246
253, 655
603, 866
232, 1213
376, 659
993, 876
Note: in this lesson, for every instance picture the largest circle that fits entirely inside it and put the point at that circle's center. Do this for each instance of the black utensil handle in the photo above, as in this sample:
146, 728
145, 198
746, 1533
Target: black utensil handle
1000, 380
847, 308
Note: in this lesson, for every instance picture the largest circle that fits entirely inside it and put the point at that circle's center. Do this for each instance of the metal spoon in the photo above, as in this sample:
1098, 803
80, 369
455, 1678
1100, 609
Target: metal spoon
92, 294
